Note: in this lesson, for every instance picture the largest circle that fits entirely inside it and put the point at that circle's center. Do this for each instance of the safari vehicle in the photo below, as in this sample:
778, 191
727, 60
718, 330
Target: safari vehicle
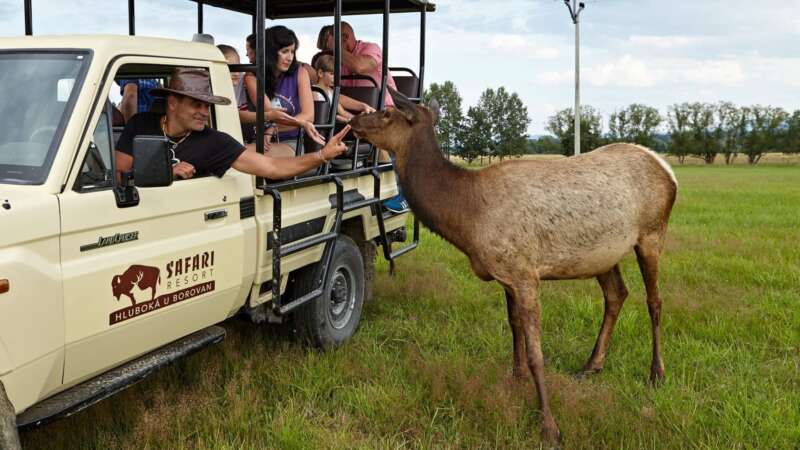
103, 280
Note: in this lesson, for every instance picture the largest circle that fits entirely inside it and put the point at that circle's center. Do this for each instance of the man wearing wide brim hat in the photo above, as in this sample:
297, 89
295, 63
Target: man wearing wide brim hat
198, 150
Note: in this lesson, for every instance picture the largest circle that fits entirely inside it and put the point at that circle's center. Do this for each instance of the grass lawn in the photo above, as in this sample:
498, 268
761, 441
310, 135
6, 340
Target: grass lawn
430, 366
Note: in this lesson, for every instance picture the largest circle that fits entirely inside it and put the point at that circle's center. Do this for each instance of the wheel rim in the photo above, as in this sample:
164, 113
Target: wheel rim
342, 298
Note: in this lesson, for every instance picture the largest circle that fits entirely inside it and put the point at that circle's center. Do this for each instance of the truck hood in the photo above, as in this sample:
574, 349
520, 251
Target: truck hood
27, 215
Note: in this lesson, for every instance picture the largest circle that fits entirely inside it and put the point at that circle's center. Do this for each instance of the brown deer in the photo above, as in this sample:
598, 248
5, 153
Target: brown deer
521, 222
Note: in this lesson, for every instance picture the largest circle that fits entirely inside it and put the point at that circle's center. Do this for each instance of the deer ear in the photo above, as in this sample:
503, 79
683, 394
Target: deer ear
404, 105
435, 110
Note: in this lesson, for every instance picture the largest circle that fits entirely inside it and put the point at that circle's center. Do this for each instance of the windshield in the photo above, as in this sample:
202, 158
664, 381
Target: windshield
37, 91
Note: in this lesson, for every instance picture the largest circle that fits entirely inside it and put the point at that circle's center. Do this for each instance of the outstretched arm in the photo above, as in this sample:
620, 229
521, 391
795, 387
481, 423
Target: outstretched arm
282, 168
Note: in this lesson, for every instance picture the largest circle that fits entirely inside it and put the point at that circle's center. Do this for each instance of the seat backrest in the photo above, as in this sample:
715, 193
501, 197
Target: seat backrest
407, 85
322, 112
368, 95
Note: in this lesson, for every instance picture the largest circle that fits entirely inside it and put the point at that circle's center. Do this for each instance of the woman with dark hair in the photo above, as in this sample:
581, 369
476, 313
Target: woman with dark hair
289, 102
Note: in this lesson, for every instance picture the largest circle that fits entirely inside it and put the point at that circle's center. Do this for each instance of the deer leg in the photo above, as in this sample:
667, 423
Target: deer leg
9, 439
518, 335
614, 293
526, 306
648, 251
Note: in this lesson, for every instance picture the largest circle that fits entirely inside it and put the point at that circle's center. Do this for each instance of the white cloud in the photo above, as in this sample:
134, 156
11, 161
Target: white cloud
507, 42
519, 23
521, 46
627, 71
663, 42
637, 73
727, 73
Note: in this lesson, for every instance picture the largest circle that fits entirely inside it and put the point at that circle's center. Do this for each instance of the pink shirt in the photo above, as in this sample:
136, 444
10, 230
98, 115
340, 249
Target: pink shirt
373, 51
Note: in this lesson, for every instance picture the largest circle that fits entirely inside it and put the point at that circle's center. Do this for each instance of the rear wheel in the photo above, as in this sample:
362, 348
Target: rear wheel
331, 318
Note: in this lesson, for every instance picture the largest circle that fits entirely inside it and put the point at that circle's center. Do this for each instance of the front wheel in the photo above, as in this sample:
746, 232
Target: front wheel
330, 319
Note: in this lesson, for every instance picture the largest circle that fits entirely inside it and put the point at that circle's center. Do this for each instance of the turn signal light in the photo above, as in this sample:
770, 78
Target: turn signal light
4, 286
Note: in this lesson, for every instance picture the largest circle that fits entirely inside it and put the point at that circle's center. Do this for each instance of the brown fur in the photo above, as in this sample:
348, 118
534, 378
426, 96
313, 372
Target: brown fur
520, 222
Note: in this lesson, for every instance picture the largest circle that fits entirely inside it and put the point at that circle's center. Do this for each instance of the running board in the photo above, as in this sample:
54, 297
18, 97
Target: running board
77, 398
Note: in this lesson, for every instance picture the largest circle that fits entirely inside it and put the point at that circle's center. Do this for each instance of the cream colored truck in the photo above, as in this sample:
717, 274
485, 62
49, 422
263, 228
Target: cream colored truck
95, 292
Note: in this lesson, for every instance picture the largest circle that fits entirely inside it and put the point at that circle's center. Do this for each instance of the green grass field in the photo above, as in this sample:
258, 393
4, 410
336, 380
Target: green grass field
430, 366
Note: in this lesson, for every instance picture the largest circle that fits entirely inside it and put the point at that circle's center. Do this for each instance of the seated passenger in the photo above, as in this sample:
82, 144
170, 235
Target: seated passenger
324, 67
288, 102
198, 150
322, 40
361, 58
247, 118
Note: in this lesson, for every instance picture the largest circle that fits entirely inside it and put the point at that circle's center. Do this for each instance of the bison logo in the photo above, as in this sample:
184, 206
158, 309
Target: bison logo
144, 277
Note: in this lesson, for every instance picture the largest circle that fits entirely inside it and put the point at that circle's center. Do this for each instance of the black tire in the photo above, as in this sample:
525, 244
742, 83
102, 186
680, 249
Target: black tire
333, 317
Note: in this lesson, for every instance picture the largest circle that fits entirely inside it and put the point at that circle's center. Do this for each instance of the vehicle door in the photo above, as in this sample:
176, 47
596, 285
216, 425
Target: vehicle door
137, 278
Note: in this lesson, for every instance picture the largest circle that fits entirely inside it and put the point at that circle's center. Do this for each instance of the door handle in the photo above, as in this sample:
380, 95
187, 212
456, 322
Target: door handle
218, 214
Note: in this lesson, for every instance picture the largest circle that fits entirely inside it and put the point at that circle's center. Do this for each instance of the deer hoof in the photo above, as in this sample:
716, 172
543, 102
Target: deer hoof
519, 373
657, 376
551, 436
586, 372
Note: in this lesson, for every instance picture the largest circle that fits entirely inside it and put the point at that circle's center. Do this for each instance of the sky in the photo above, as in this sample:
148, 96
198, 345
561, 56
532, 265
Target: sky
653, 52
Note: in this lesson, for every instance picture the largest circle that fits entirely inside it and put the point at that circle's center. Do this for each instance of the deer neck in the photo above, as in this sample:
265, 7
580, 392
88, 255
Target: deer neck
440, 194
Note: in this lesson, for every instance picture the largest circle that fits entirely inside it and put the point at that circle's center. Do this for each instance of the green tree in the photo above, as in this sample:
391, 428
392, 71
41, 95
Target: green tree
733, 122
450, 113
562, 126
705, 131
474, 137
767, 125
681, 141
792, 137
546, 145
509, 119
637, 123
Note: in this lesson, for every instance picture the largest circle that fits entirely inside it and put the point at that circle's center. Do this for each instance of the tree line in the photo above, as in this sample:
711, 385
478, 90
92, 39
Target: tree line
703, 130
497, 127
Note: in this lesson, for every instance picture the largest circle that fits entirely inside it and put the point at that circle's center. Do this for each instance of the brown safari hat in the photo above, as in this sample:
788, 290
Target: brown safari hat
193, 83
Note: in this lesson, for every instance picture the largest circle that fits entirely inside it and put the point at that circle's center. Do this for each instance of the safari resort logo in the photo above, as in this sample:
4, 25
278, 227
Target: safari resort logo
185, 278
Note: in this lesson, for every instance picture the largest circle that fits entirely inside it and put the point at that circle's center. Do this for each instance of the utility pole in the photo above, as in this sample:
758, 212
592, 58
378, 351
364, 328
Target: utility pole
575, 9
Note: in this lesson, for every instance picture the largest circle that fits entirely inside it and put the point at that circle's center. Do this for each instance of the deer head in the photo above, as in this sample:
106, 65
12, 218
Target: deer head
392, 128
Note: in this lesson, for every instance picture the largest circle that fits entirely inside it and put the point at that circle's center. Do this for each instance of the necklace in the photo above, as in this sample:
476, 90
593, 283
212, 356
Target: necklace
173, 144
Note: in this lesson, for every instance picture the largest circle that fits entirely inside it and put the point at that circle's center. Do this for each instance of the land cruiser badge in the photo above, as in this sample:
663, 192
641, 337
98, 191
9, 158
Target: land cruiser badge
105, 241
190, 277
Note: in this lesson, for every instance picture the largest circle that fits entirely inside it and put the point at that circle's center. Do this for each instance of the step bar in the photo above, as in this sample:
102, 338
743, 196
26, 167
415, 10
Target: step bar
80, 397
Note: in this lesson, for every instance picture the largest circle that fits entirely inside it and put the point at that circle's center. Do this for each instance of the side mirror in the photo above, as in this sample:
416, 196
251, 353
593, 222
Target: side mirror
152, 163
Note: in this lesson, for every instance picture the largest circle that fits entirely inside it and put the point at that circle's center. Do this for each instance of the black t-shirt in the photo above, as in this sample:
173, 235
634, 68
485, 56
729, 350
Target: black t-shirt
209, 151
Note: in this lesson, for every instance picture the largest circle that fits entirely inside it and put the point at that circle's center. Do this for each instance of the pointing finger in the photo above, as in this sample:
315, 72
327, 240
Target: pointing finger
340, 135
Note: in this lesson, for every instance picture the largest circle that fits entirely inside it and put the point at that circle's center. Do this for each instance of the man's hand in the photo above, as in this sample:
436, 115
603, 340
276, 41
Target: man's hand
335, 146
183, 170
366, 109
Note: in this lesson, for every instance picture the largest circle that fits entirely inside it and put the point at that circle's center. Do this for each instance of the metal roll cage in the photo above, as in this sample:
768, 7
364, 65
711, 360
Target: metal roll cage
258, 10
